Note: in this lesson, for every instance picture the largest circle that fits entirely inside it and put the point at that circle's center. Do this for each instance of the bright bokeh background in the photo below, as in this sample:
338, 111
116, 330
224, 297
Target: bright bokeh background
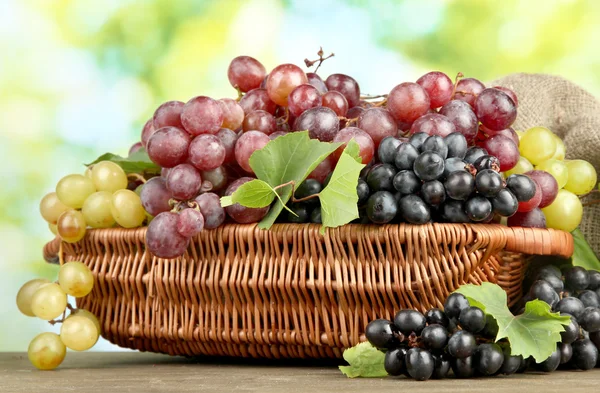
79, 78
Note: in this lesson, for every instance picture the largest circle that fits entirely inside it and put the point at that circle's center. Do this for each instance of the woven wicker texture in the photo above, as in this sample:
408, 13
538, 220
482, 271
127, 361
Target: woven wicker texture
289, 291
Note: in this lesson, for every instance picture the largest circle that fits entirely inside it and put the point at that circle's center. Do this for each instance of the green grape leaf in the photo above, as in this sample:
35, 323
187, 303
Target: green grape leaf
583, 254
365, 361
533, 333
339, 200
289, 158
255, 193
138, 162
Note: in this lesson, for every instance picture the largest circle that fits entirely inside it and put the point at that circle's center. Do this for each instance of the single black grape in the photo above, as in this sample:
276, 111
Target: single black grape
436, 144
455, 303
394, 361
488, 182
434, 336
511, 363
585, 354
462, 367
488, 359
454, 164
381, 177
406, 182
387, 149
566, 352
433, 192
590, 319
441, 367
457, 145
307, 188
462, 344
381, 333
363, 191
459, 185
381, 207
429, 166
478, 208
490, 329
473, 153
487, 162
505, 203
472, 319
556, 282
436, 316
301, 211
417, 139
409, 321
522, 186
454, 211
525, 365
571, 332
595, 338
551, 363
594, 277
315, 215
543, 291
548, 269
405, 157
589, 298
414, 210
419, 364
577, 278
570, 305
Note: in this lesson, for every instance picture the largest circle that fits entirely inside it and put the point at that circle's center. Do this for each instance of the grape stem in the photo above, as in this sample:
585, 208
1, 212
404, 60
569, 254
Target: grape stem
589, 203
348, 121
320, 60
194, 205
458, 76
370, 97
137, 176
240, 94
380, 103
293, 184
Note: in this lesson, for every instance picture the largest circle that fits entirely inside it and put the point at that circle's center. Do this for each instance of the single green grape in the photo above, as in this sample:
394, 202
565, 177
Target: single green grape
538, 144
556, 168
80, 312
126, 208
561, 151
96, 210
51, 207
108, 176
25, 295
582, 177
522, 166
71, 226
49, 301
565, 212
73, 190
76, 279
46, 351
79, 333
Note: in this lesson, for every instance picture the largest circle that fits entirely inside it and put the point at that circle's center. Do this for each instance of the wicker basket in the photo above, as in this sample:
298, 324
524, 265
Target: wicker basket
290, 292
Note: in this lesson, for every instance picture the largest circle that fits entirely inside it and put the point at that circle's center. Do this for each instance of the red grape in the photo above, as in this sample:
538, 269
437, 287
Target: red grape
155, 196
336, 101
534, 202
257, 99
378, 123
282, 80
548, 185
495, 109
190, 222
184, 182
462, 116
302, 98
276, 134
364, 141
509, 92
242, 214
507, 132
207, 152
147, 132
168, 114
168, 147
260, 121
164, 172
346, 85
433, 124
438, 86
135, 148
217, 177
322, 170
322, 123
504, 149
202, 115
468, 89
210, 207
407, 102
247, 144
233, 114
228, 139
531, 219
246, 73
317, 82
162, 237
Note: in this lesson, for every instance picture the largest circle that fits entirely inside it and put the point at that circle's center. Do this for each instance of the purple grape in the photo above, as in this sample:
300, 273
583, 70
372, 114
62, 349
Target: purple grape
168, 115
190, 223
162, 238
257, 99
378, 123
168, 147
438, 86
207, 152
346, 85
228, 139
336, 101
210, 207
495, 109
184, 182
202, 115
242, 214
462, 116
246, 145
302, 98
433, 124
217, 177
246, 73
260, 121
322, 123
155, 196
468, 89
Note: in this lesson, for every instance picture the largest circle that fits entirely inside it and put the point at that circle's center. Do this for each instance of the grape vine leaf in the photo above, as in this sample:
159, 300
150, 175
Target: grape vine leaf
289, 158
533, 333
339, 200
138, 162
583, 255
255, 193
365, 361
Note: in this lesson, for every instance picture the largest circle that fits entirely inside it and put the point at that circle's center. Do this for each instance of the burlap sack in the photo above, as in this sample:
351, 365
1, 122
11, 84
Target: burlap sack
570, 112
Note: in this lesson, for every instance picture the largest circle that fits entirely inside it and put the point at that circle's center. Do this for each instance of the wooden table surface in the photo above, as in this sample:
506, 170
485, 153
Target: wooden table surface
118, 372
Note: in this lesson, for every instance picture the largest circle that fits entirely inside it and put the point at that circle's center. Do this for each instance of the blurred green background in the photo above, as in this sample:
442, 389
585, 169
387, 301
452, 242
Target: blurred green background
80, 77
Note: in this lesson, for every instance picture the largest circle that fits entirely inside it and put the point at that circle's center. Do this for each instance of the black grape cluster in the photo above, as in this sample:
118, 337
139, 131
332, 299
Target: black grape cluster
574, 292
433, 178
457, 341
